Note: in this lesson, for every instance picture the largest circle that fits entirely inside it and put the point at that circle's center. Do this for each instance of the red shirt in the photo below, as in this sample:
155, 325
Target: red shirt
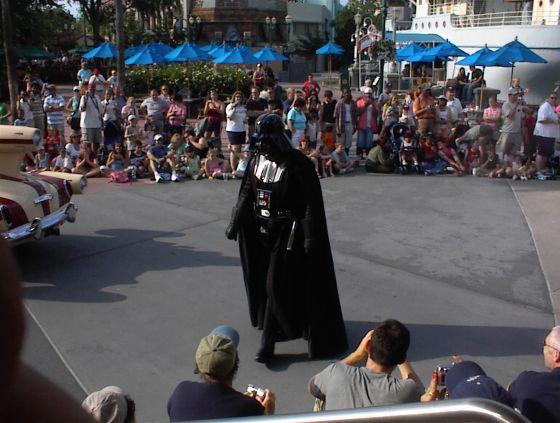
310, 85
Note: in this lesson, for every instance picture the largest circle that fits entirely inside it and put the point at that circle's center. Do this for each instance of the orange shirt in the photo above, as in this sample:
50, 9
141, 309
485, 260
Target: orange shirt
328, 140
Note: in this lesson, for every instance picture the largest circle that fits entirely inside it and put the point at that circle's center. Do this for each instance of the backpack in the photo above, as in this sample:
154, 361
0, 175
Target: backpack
118, 177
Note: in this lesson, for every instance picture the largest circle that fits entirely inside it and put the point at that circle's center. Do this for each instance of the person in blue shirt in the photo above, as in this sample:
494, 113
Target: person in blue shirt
161, 160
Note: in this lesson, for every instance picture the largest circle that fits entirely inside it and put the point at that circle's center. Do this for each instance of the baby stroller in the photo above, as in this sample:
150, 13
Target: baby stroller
405, 149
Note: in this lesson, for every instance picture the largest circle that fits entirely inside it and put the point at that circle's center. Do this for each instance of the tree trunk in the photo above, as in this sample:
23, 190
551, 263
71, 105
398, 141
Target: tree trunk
119, 28
9, 53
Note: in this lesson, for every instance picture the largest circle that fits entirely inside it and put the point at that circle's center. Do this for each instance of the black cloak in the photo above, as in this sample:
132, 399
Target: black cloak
300, 283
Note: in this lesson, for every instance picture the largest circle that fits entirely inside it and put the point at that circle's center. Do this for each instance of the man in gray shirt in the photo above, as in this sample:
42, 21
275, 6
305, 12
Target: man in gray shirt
344, 385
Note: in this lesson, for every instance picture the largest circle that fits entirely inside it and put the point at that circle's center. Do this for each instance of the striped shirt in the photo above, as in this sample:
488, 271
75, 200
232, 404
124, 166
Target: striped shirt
54, 118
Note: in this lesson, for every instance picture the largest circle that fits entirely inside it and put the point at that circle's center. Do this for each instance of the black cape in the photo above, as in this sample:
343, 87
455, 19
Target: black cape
300, 284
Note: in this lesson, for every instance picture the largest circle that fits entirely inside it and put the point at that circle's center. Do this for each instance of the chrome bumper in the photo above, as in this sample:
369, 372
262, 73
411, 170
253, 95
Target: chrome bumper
41, 227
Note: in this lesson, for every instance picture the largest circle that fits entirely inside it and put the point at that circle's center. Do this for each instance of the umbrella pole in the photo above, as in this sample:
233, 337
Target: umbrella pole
399, 77
481, 92
511, 76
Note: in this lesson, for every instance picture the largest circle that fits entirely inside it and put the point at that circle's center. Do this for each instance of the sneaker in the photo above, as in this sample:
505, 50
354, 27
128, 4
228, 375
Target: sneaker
428, 173
515, 177
541, 176
457, 173
174, 177
195, 177
158, 177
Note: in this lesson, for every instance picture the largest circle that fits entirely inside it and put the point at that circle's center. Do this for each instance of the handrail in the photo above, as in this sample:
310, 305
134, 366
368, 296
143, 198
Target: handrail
505, 18
455, 411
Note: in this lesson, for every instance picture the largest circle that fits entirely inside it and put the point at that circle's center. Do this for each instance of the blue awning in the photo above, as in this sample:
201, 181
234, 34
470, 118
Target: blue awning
414, 37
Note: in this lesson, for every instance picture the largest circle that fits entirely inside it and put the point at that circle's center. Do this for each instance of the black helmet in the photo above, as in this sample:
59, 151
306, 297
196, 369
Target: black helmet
268, 124
270, 137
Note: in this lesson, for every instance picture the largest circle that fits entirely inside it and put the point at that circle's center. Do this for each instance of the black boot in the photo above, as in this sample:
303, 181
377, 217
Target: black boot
265, 354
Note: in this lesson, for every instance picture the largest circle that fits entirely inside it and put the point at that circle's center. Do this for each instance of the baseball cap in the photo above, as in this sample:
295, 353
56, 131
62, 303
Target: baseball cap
132, 117
513, 91
442, 97
108, 404
76, 88
158, 137
468, 380
216, 354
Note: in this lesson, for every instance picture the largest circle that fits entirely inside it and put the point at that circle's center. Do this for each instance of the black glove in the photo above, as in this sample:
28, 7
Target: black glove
307, 225
231, 230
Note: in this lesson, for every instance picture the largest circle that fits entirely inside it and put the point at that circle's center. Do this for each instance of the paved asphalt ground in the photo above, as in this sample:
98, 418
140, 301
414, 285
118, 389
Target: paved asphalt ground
125, 294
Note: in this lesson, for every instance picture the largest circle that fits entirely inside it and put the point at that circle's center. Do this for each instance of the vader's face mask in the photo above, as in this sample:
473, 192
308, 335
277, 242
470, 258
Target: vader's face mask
269, 138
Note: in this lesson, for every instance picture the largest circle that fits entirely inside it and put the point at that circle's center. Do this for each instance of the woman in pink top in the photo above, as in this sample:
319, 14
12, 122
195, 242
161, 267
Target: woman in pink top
492, 114
176, 115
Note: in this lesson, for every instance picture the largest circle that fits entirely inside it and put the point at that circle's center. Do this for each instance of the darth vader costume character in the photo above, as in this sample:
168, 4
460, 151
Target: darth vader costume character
284, 247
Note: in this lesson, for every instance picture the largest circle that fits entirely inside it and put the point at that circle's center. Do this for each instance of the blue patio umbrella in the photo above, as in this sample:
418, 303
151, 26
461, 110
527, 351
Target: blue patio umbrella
515, 52
267, 54
131, 51
220, 50
187, 52
104, 50
237, 56
447, 49
209, 47
483, 57
330, 48
477, 58
425, 56
410, 50
146, 57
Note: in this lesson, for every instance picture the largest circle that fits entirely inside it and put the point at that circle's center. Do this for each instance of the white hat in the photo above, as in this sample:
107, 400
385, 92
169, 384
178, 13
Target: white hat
158, 137
132, 117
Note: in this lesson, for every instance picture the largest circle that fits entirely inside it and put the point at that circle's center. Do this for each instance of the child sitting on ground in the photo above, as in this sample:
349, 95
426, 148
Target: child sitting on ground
471, 157
340, 163
215, 167
138, 161
325, 161
504, 168
449, 155
42, 159
63, 162
489, 162
191, 165
243, 162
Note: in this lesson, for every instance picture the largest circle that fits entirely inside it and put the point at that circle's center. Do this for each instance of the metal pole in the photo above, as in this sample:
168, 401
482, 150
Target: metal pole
382, 61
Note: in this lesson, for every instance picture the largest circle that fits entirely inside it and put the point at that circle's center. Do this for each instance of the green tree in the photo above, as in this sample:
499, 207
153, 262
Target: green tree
96, 13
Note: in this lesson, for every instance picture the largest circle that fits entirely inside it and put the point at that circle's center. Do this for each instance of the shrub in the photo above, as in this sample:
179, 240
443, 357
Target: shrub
201, 76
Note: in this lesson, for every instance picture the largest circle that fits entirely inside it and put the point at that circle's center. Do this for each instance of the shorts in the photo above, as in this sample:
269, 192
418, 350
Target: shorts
236, 138
213, 126
91, 135
545, 146
510, 142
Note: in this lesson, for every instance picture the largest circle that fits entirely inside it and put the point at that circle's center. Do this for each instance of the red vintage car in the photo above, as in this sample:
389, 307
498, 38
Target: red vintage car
32, 205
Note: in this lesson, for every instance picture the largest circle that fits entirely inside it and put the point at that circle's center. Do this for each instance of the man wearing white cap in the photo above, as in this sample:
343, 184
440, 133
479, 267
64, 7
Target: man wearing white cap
217, 362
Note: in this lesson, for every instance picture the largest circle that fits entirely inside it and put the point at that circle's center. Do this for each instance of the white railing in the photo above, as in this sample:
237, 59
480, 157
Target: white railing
449, 411
505, 18
462, 8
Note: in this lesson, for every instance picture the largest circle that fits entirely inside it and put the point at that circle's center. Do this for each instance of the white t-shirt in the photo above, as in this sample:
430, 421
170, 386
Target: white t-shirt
90, 111
236, 117
456, 108
549, 130
61, 162
99, 81
110, 107
72, 152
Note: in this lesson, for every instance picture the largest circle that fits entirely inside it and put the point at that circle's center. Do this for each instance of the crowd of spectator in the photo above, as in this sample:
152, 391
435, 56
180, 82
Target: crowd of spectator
394, 132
